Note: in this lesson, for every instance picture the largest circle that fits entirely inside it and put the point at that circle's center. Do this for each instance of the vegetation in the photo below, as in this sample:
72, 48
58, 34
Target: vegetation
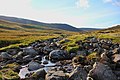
13, 35
8, 73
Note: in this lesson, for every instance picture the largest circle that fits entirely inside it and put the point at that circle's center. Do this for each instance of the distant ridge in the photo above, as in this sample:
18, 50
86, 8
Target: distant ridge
89, 29
52, 25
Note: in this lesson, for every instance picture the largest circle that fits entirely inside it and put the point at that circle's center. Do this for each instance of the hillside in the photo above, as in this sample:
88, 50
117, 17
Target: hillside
26, 21
16, 34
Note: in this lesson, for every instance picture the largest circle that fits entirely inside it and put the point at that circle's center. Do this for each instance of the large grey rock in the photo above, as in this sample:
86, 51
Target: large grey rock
5, 56
101, 72
58, 55
78, 74
30, 51
33, 66
56, 75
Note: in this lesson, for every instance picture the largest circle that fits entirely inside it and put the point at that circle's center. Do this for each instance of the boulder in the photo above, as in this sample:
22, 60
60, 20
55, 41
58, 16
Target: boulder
56, 75
101, 71
33, 66
30, 51
6, 56
78, 74
58, 55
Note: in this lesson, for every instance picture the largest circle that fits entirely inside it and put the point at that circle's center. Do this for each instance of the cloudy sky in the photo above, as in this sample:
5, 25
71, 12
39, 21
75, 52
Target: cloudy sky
79, 13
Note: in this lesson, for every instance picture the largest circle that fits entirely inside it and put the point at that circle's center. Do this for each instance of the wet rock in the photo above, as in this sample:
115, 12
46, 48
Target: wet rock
38, 57
33, 66
78, 74
58, 55
56, 75
102, 72
47, 57
45, 62
6, 56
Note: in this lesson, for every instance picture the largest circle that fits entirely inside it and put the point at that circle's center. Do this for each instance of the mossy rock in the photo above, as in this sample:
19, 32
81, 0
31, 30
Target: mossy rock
92, 56
8, 74
11, 66
73, 49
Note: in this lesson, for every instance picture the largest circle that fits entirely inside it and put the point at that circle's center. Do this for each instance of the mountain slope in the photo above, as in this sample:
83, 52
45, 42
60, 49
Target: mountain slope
26, 21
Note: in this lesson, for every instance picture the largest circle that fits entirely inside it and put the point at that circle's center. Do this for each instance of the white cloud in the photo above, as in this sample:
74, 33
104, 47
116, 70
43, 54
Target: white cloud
117, 3
82, 3
113, 2
107, 1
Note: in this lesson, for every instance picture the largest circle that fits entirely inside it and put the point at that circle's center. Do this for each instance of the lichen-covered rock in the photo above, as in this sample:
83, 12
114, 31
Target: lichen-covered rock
102, 72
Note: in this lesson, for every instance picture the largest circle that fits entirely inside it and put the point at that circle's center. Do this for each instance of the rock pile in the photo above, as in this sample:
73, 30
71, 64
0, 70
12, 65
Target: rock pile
96, 59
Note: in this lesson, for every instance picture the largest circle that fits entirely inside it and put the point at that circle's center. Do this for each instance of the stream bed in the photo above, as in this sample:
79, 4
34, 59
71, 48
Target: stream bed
24, 71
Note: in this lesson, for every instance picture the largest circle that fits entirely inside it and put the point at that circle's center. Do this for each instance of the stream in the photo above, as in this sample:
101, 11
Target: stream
25, 70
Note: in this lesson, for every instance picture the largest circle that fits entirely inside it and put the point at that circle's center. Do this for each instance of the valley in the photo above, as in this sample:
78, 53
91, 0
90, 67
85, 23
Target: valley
41, 51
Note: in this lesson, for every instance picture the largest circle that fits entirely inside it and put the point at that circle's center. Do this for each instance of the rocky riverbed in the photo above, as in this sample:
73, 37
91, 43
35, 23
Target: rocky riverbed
96, 59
